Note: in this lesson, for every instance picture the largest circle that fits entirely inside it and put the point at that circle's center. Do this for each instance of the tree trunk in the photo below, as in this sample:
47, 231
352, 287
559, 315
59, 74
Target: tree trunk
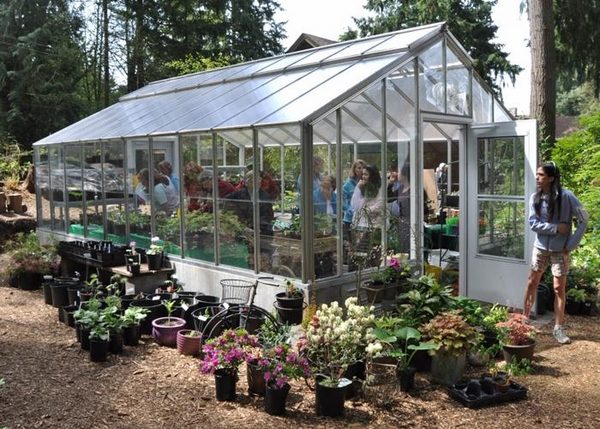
105, 56
543, 70
29, 183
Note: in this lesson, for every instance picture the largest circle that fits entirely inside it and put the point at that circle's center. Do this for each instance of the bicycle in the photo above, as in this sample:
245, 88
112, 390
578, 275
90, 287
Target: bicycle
239, 315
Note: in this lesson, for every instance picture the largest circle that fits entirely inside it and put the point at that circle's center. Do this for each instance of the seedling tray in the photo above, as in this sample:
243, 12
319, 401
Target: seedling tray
515, 392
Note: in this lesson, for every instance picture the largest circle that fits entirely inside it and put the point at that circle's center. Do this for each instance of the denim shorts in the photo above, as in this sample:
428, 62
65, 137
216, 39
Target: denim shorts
542, 258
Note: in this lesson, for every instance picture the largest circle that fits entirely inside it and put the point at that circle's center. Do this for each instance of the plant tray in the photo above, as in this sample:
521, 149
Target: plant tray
515, 392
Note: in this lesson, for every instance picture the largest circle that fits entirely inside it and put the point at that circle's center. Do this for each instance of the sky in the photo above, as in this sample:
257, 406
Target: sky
330, 18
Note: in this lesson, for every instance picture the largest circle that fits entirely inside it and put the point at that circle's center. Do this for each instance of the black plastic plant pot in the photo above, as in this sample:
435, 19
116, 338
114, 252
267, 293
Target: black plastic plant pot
98, 350
275, 400
29, 280
46, 283
115, 345
68, 312
131, 335
156, 310
329, 400
155, 262
285, 302
406, 377
225, 383
290, 315
573, 307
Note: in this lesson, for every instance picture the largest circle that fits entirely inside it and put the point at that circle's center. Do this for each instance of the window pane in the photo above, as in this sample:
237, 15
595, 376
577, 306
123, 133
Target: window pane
501, 166
482, 104
42, 179
457, 85
92, 182
57, 180
197, 184
139, 189
75, 192
114, 188
502, 229
431, 79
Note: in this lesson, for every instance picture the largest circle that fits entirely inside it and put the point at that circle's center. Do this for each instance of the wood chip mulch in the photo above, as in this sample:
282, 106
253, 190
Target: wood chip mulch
50, 383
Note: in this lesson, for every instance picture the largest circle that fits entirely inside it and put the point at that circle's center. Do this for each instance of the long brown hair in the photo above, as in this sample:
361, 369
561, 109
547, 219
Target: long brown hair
554, 202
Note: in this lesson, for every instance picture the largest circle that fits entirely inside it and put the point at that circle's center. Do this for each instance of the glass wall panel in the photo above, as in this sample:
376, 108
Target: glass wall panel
400, 124
280, 225
114, 190
501, 166
325, 200
57, 193
166, 192
482, 104
92, 195
362, 123
140, 191
502, 229
235, 203
431, 79
501, 179
457, 85
74, 171
500, 114
196, 152
42, 179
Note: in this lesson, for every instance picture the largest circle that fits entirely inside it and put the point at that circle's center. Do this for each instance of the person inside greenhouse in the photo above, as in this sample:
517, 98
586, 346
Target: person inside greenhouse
205, 179
166, 169
354, 176
240, 203
164, 196
552, 210
325, 197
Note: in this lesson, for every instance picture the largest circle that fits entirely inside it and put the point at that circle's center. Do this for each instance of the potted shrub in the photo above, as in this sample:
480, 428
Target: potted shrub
164, 329
222, 357
517, 338
401, 345
112, 319
333, 342
290, 304
280, 365
154, 255
575, 300
454, 337
85, 319
132, 318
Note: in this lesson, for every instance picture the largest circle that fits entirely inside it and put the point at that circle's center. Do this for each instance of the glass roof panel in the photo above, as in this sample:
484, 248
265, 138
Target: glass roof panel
404, 39
431, 79
255, 92
253, 113
327, 90
358, 48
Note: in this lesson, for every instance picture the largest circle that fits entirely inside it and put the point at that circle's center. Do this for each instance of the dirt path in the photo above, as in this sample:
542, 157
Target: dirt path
50, 383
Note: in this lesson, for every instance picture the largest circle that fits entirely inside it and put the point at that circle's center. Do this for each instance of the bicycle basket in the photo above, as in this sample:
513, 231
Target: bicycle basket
236, 291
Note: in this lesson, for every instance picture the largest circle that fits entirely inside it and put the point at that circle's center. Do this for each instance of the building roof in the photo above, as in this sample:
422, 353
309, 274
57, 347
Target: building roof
308, 41
294, 88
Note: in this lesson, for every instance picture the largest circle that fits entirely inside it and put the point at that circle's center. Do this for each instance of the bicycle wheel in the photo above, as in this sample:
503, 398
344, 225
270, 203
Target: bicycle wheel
228, 318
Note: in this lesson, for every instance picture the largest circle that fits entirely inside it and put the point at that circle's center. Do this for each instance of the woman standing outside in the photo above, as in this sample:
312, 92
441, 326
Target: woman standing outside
551, 213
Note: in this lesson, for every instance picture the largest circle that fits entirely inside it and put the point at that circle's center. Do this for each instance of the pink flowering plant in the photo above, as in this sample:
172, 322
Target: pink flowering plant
516, 331
228, 351
281, 364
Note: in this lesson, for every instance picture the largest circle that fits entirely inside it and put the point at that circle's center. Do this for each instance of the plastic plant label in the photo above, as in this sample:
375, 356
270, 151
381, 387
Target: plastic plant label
203, 318
225, 305
156, 298
185, 306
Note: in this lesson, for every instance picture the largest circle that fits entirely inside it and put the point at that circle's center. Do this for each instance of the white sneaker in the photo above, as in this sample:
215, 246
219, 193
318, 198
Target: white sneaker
560, 336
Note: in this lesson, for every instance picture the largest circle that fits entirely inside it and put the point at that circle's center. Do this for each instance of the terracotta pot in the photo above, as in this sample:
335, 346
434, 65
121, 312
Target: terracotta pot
187, 345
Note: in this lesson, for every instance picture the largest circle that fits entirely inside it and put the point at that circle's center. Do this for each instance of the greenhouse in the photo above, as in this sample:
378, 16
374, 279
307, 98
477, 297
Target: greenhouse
246, 170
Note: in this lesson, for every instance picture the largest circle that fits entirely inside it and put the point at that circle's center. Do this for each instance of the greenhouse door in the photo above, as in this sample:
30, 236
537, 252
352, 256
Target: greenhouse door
501, 164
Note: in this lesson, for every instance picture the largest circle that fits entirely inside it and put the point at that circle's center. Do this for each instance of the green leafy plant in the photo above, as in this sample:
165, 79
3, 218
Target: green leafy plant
134, 316
271, 334
519, 367
496, 314
291, 290
28, 255
169, 305
117, 285
577, 295
471, 310
156, 246
451, 332
99, 332
427, 298
402, 344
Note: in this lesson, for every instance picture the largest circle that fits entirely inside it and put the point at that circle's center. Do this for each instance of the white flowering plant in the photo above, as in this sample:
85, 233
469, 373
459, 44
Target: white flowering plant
155, 246
336, 339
